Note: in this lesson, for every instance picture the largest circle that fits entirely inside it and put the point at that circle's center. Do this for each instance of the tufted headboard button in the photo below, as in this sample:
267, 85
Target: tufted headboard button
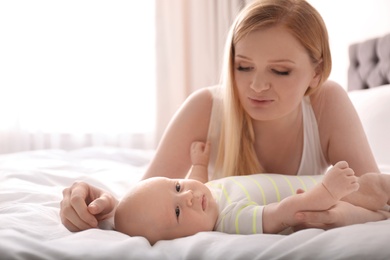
369, 63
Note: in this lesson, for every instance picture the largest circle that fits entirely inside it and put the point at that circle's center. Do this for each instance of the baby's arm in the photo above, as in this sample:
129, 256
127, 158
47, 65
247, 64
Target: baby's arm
200, 154
337, 183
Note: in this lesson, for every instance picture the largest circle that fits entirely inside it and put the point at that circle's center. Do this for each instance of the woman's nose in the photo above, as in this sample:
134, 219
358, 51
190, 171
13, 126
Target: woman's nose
260, 83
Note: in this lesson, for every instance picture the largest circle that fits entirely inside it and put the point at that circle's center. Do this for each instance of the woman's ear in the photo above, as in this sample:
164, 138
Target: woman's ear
314, 83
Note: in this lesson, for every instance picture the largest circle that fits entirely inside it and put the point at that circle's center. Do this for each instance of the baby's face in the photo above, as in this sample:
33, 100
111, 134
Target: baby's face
162, 208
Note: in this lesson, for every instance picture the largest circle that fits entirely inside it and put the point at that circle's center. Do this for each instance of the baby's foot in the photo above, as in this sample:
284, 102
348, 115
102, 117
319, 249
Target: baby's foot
340, 180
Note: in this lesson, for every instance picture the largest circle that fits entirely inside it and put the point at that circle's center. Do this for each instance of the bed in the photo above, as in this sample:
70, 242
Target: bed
31, 185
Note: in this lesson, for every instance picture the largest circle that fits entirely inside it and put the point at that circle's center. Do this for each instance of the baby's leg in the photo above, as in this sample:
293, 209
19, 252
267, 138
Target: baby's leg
368, 197
340, 180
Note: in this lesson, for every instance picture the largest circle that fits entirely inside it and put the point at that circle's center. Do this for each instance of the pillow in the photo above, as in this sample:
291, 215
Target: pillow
373, 107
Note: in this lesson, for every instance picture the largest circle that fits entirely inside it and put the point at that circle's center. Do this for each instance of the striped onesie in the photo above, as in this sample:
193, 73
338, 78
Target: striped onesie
241, 199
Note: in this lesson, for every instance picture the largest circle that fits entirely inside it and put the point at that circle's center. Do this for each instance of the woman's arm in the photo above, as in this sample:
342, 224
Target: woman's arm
190, 123
342, 214
341, 132
342, 138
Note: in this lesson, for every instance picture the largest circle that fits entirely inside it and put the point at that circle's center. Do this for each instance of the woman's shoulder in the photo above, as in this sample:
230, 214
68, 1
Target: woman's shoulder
332, 108
203, 97
341, 132
198, 105
330, 97
209, 92
328, 90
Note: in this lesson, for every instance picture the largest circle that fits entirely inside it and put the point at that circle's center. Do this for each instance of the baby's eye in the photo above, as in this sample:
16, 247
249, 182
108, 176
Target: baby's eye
281, 73
177, 187
177, 211
241, 68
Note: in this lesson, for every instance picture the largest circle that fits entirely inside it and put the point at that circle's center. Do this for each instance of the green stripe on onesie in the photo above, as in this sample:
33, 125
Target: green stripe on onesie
241, 199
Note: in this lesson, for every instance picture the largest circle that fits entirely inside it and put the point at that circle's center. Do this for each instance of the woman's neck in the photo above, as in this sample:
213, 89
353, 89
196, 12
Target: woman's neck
279, 143
279, 126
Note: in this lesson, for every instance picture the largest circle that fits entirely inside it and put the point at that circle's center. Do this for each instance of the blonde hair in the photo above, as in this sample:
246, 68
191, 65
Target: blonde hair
236, 154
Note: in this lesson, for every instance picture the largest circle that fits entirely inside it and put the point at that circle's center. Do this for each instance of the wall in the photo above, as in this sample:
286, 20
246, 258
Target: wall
350, 21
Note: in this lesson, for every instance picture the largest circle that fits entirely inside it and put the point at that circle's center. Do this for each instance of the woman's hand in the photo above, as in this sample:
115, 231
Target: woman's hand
84, 205
342, 214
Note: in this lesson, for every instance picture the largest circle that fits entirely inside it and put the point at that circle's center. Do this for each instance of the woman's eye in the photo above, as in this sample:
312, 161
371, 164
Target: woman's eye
281, 73
177, 187
177, 211
241, 68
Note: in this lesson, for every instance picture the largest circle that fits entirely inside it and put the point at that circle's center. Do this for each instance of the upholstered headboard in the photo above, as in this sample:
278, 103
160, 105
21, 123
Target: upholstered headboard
369, 63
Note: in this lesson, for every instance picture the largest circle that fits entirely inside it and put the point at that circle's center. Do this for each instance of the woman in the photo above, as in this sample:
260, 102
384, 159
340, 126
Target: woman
274, 112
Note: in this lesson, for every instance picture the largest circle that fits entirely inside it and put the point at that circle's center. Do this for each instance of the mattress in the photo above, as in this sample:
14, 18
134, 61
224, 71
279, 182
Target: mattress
31, 185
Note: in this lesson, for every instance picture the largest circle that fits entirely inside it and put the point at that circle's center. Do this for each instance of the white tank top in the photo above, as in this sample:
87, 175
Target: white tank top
312, 161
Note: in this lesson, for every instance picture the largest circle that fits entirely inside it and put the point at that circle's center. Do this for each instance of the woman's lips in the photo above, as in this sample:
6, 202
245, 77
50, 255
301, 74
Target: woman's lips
260, 101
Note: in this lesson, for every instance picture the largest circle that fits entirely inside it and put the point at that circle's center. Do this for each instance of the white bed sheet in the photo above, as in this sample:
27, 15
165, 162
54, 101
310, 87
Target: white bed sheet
31, 185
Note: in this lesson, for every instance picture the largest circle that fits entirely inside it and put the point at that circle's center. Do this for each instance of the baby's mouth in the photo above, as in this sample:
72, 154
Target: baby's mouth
204, 202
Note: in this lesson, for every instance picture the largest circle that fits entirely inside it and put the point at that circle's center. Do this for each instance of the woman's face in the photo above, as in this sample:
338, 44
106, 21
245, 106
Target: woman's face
272, 73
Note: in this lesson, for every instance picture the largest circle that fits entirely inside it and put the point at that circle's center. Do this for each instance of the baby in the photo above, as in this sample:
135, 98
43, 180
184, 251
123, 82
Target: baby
161, 208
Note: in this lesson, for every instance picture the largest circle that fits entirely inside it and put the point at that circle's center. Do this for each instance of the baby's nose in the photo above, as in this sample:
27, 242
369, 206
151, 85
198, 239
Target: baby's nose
188, 196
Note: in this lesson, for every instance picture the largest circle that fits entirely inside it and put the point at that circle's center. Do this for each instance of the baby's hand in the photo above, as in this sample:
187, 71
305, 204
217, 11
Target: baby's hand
340, 180
200, 153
